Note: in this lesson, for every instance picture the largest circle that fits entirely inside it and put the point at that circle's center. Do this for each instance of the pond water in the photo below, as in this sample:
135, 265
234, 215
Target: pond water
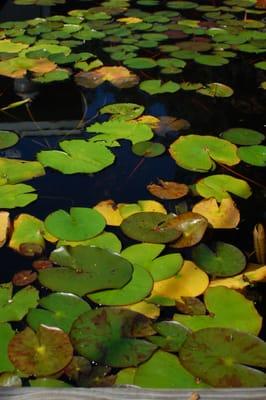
221, 44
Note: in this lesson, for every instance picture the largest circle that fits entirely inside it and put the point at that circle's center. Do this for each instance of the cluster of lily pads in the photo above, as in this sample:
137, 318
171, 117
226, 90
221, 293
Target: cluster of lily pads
169, 310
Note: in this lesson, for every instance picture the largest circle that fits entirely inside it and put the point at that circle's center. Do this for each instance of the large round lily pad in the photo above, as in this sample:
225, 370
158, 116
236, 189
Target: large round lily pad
224, 260
223, 357
79, 224
149, 227
85, 269
108, 335
43, 353
198, 153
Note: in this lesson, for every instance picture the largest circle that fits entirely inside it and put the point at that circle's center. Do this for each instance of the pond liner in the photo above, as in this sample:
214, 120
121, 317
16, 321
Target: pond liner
130, 393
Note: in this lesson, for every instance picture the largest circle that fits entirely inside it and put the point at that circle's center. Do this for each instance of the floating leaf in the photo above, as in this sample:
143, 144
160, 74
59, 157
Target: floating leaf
43, 353
4, 227
254, 155
224, 260
218, 186
7, 46
79, 224
191, 306
198, 153
172, 336
168, 190
16, 307
170, 124
227, 309
189, 282
85, 269
78, 370
140, 63
7, 138
192, 227
107, 335
154, 86
24, 277
59, 74
109, 210
243, 136
225, 216
15, 171
77, 156
106, 240
216, 89
211, 60
114, 130
224, 357
6, 334
27, 230
148, 149
120, 77
149, 227
261, 65
143, 307
59, 310
125, 111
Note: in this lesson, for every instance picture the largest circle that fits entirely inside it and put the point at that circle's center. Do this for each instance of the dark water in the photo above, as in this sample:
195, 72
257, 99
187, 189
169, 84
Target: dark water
125, 181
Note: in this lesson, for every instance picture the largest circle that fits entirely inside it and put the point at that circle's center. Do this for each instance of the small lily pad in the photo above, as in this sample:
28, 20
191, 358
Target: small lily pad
19, 195
125, 111
43, 353
79, 224
243, 136
148, 149
168, 190
216, 89
154, 86
8, 139
224, 357
253, 155
108, 335
224, 260
140, 63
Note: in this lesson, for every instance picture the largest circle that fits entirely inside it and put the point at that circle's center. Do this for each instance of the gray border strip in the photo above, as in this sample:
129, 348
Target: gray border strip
129, 393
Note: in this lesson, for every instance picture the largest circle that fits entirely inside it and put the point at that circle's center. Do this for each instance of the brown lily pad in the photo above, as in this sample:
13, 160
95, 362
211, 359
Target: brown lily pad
120, 77
24, 278
168, 190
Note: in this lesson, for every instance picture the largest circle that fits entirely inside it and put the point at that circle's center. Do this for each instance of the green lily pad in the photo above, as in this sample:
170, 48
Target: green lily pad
140, 63
19, 195
154, 86
182, 5
6, 334
218, 186
125, 111
114, 130
224, 357
216, 90
261, 65
16, 307
227, 309
164, 371
225, 260
16, 171
79, 224
78, 156
243, 136
8, 139
59, 310
108, 335
7, 46
211, 60
43, 353
106, 240
198, 153
254, 155
149, 227
57, 75
172, 335
148, 149
85, 269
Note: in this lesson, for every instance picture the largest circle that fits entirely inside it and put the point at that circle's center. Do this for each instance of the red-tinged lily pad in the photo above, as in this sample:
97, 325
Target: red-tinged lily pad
223, 357
120, 77
42, 264
168, 190
79, 224
108, 335
40, 354
226, 309
192, 227
85, 269
224, 260
24, 277
58, 310
199, 153
151, 227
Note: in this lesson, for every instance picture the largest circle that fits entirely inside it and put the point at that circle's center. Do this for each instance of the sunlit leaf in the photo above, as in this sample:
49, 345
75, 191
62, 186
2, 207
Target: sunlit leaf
120, 77
254, 155
16, 171
8, 138
4, 227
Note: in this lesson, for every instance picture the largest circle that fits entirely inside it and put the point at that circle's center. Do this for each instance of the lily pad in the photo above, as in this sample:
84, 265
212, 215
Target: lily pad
125, 111
227, 309
224, 357
16, 171
78, 156
8, 139
24, 277
79, 224
5, 226
168, 190
219, 186
148, 149
19, 195
120, 77
253, 155
16, 307
224, 260
199, 153
149, 227
243, 136
43, 353
211, 60
6, 334
59, 310
172, 335
216, 89
154, 86
140, 63
106, 240
108, 335
85, 269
